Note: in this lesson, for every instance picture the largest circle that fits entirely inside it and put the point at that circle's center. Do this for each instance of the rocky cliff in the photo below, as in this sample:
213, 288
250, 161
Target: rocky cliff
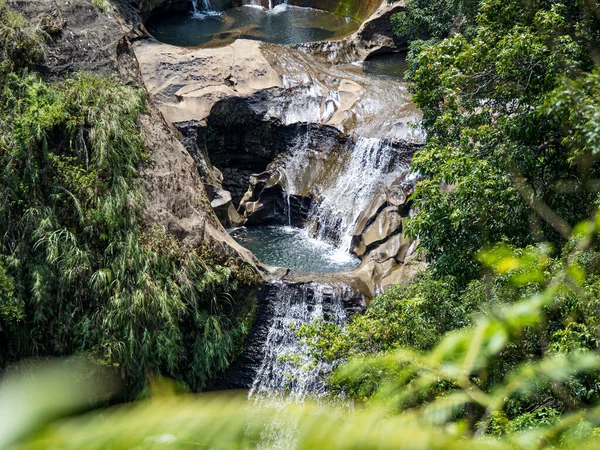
82, 37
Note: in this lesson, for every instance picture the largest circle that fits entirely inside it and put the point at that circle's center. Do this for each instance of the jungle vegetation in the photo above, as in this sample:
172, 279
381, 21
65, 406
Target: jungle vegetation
80, 270
494, 346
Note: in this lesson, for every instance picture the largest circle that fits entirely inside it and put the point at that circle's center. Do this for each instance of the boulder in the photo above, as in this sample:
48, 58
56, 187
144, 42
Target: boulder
376, 35
387, 223
220, 201
265, 203
379, 233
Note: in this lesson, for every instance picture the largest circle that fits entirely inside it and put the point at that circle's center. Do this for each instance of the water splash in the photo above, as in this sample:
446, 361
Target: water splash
272, 5
353, 180
372, 165
205, 11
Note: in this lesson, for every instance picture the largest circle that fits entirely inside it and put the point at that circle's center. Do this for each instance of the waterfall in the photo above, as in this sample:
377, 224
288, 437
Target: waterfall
344, 184
207, 9
271, 3
372, 165
286, 365
294, 168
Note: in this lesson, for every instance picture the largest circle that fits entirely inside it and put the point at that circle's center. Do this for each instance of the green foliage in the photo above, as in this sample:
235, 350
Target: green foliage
20, 44
103, 6
498, 157
426, 19
417, 315
435, 399
79, 269
513, 359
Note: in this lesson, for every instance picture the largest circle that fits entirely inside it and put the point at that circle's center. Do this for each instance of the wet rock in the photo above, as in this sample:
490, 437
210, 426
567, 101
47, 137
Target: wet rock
299, 209
265, 203
379, 239
220, 201
356, 9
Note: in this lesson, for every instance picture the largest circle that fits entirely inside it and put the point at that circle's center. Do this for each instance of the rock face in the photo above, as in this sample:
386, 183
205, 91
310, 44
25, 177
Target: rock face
82, 37
186, 83
244, 138
375, 36
175, 195
86, 39
388, 256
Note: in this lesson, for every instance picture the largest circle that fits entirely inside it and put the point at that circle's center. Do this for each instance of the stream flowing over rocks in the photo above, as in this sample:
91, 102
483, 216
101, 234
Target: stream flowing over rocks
255, 134
298, 137
275, 362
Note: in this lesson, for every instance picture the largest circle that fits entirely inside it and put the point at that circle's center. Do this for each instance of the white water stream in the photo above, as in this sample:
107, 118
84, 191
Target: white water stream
287, 367
369, 169
357, 179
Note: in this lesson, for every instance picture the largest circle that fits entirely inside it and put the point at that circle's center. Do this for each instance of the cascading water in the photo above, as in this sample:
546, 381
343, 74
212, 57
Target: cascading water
359, 176
372, 165
286, 366
276, 366
271, 3
207, 9
292, 168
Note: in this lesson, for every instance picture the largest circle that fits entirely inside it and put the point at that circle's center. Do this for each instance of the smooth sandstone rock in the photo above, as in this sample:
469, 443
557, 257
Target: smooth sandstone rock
186, 83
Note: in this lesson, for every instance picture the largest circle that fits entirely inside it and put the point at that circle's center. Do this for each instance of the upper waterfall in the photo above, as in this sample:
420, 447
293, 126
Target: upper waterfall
351, 182
271, 4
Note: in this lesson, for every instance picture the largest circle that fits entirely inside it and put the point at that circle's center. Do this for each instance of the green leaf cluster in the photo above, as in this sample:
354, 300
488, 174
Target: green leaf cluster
500, 163
80, 270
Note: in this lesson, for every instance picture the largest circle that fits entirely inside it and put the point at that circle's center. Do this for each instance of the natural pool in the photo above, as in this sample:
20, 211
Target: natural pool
294, 249
388, 66
283, 24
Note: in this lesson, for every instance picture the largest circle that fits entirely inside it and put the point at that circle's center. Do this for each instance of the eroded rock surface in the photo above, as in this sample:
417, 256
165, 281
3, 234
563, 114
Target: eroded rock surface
83, 38
375, 36
186, 83
245, 110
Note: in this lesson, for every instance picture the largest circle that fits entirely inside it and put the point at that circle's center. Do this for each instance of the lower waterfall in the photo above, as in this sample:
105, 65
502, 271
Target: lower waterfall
276, 364
287, 366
